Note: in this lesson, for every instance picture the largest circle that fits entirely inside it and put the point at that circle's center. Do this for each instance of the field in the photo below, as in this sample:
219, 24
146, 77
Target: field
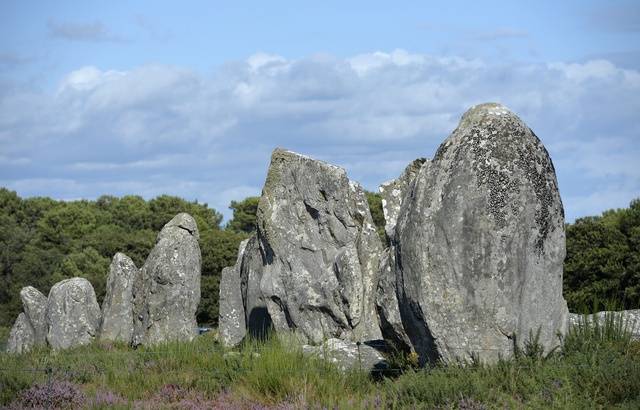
597, 367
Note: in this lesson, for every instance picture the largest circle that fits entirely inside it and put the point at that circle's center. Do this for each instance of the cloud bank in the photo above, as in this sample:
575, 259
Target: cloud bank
162, 129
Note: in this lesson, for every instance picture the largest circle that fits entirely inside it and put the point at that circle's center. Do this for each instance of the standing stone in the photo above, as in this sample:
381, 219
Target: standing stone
257, 316
393, 195
22, 336
480, 245
73, 314
117, 307
34, 304
394, 191
166, 293
231, 324
320, 251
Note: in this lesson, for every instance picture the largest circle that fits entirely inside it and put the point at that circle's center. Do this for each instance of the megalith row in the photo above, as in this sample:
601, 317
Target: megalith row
150, 305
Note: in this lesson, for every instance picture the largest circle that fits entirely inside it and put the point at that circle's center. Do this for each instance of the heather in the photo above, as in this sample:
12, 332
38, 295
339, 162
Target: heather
598, 366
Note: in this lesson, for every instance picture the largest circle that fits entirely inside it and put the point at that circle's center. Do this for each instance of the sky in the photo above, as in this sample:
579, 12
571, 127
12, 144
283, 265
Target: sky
190, 98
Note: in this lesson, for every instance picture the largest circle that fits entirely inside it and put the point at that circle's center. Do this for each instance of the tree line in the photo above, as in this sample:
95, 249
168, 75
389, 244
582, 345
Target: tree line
43, 241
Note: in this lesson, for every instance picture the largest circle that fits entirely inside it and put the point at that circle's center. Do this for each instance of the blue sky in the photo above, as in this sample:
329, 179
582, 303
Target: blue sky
190, 98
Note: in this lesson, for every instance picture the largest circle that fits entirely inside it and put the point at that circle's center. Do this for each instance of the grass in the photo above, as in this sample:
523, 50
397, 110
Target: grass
598, 367
4, 336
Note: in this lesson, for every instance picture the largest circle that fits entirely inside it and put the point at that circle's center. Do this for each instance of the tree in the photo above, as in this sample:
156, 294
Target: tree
602, 266
375, 205
244, 215
88, 264
208, 308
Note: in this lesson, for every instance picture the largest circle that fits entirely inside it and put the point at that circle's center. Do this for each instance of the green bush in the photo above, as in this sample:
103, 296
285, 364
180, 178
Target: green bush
43, 241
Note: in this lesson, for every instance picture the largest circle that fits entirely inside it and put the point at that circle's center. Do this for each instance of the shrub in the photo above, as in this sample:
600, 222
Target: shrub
57, 394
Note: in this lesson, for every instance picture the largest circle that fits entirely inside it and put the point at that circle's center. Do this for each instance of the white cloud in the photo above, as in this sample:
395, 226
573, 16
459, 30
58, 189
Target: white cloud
163, 129
86, 79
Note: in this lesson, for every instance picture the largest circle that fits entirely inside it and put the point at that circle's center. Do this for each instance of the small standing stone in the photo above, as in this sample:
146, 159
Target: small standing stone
117, 307
22, 336
73, 314
166, 293
34, 304
232, 325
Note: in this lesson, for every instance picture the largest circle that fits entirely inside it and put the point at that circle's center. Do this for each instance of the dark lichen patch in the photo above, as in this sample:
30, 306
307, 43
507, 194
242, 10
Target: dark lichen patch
538, 170
505, 155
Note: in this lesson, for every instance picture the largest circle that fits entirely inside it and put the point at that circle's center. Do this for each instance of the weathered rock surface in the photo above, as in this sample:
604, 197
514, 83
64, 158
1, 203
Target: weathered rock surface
320, 251
480, 245
117, 307
22, 336
630, 320
393, 195
73, 314
348, 355
387, 305
166, 293
231, 324
34, 304
257, 316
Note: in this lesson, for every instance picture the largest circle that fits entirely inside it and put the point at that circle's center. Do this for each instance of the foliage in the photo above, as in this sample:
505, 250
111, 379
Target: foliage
603, 260
375, 205
244, 215
43, 241
602, 373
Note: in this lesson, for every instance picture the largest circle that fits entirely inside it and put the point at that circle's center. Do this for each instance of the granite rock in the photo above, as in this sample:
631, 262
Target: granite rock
166, 292
480, 244
320, 251
117, 307
73, 314
22, 336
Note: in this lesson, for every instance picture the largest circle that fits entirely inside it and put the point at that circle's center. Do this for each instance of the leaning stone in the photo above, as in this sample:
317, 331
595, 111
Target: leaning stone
73, 314
348, 355
117, 307
231, 324
34, 304
393, 195
166, 292
320, 251
251, 270
388, 307
21, 337
480, 246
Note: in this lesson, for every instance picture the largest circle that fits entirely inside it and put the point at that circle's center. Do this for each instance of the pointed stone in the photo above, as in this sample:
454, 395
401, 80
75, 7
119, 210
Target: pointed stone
231, 324
34, 304
73, 314
22, 336
320, 250
117, 307
166, 292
